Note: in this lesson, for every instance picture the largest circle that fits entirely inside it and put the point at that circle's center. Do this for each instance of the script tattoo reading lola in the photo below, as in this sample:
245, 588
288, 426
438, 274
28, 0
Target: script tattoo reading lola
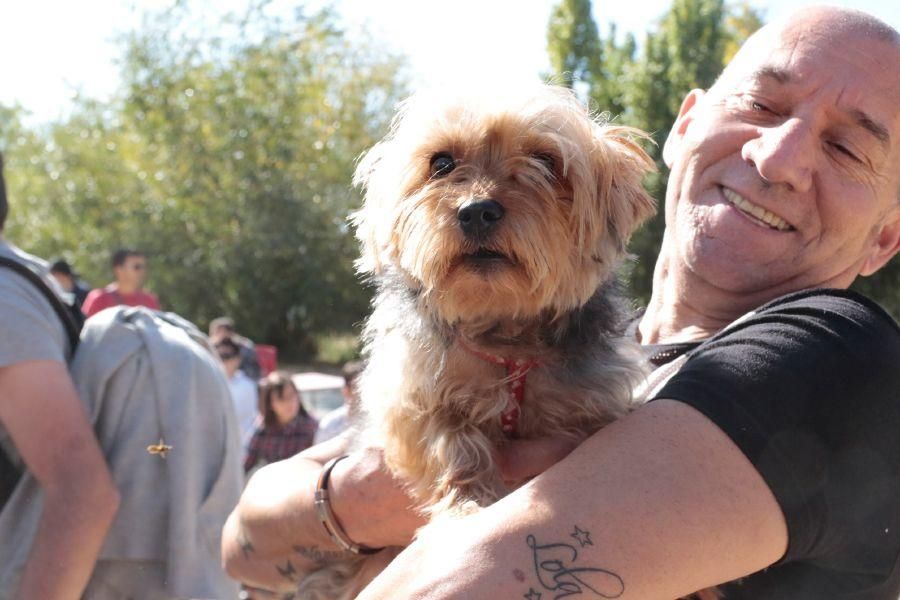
560, 573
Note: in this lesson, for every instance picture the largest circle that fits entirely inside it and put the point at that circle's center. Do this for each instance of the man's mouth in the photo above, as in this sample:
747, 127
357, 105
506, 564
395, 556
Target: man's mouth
755, 212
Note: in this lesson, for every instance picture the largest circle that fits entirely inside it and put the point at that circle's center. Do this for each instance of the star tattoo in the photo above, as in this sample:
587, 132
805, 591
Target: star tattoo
288, 572
532, 595
583, 537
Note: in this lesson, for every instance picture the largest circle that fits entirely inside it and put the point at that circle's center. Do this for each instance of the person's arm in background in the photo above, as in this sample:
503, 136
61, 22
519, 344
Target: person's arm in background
40, 409
653, 507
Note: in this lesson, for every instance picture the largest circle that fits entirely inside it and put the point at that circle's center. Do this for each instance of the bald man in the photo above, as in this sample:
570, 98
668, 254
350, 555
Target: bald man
772, 455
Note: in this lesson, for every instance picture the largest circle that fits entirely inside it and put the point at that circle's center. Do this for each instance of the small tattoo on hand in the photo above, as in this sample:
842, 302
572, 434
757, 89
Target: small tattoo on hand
246, 547
288, 571
532, 595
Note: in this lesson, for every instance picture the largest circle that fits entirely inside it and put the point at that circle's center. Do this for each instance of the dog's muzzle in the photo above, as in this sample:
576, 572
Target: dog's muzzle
480, 218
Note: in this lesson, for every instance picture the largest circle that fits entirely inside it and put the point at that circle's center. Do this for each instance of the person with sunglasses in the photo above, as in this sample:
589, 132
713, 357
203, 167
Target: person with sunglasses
130, 272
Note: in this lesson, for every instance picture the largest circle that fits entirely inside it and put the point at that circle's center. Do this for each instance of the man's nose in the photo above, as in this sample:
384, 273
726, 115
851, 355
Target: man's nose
784, 154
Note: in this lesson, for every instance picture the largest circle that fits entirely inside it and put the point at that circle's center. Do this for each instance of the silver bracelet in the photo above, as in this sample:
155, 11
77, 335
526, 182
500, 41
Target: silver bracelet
327, 517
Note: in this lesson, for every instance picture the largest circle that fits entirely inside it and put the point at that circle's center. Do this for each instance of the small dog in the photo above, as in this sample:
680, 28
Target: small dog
492, 226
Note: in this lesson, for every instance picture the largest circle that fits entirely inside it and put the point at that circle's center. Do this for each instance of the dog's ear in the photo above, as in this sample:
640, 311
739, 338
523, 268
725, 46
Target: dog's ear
621, 164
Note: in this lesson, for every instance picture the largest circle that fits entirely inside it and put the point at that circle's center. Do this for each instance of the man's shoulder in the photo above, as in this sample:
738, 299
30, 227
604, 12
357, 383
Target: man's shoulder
818, 314
336, 416
101, 293
829, 303
31, 328
241, 380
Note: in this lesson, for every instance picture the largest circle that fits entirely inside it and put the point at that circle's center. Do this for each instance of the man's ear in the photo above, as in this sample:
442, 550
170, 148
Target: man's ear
676, 134
885, 244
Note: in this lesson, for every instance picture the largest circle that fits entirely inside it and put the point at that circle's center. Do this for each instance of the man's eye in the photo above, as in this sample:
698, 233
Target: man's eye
841, 149
442, 164
759, 107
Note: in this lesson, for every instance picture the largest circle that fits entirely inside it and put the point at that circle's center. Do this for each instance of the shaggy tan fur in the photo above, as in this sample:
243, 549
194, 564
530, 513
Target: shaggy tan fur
534, 287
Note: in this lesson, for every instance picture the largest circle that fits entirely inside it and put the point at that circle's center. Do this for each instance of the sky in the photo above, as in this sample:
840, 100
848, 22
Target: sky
54, 49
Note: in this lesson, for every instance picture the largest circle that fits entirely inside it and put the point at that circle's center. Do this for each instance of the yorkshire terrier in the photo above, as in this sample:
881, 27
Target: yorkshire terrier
492, 225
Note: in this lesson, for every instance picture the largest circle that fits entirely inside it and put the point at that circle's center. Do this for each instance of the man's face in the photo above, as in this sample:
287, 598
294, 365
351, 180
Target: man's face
64, 280
785, 174
133, 272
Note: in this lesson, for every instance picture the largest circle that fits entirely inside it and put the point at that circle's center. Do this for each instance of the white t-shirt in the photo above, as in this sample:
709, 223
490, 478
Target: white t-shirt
244, 396
332, 425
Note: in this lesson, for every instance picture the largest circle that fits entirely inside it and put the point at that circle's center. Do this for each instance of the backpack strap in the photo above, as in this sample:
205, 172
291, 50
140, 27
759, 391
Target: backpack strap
72, 328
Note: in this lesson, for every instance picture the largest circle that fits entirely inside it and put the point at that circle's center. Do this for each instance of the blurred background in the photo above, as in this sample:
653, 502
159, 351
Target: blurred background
220, 137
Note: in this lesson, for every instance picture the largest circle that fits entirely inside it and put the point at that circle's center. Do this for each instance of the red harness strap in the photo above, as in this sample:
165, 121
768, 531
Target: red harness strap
516, 374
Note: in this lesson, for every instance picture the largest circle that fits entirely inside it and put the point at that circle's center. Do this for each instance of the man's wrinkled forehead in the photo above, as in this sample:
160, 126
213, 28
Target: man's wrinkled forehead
863, 61
778, 47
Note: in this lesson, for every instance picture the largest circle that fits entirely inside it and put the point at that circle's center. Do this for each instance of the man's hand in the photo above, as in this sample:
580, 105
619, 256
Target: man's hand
48, 425
274, 537
370, 503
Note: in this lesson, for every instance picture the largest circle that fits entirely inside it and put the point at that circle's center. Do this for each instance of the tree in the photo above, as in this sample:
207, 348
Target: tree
229, 161
572, 42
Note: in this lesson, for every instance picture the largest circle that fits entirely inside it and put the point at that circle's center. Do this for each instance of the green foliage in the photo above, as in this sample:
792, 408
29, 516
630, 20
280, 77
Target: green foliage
229, 164
685, 50
572, 42
337, 349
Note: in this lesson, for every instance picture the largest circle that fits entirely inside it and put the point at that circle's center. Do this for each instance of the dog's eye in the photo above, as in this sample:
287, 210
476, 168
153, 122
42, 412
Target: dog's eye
441, 164
548, 160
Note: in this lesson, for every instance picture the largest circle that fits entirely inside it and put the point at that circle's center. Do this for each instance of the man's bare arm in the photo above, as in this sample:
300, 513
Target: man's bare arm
273, 537
655, 506
48, 425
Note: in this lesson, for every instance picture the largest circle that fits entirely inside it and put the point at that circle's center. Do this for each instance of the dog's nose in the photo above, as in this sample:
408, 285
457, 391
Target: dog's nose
480, 217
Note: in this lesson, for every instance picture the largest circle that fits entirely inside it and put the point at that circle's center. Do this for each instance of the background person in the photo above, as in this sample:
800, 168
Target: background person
68, 280
244, 393
224, 326
45, 432
286, 427
130, 271
340, 419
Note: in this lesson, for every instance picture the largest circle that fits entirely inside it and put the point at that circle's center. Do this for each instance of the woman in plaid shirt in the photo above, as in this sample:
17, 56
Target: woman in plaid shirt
286, 428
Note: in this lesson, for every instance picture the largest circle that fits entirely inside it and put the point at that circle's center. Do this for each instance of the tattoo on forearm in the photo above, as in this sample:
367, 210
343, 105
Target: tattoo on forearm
558, 571
288, 571
317, 555
246, 547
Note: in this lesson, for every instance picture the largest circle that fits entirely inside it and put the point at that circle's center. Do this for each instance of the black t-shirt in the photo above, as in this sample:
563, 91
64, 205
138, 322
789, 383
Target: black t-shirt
809, 389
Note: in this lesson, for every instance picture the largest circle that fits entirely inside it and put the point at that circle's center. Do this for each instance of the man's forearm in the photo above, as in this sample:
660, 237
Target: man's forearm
70, 534
656, 506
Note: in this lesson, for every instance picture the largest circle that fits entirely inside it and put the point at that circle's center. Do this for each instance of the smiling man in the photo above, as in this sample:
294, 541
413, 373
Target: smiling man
768, 455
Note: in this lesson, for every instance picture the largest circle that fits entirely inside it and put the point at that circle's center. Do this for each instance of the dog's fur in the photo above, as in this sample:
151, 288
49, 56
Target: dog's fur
537, 286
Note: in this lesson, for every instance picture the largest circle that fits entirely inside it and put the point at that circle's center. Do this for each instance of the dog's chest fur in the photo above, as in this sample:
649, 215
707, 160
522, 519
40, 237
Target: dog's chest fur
435, 405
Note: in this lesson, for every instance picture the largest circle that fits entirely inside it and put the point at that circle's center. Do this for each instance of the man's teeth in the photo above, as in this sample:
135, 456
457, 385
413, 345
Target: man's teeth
758, 212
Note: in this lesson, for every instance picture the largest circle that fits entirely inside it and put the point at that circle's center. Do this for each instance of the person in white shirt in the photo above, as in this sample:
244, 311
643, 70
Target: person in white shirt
339, 420
244, 392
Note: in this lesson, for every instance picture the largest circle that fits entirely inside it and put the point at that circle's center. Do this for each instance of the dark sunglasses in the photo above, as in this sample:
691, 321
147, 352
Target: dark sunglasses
228, 356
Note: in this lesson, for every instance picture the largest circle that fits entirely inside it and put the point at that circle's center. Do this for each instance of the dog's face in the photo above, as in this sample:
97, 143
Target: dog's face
500, 208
